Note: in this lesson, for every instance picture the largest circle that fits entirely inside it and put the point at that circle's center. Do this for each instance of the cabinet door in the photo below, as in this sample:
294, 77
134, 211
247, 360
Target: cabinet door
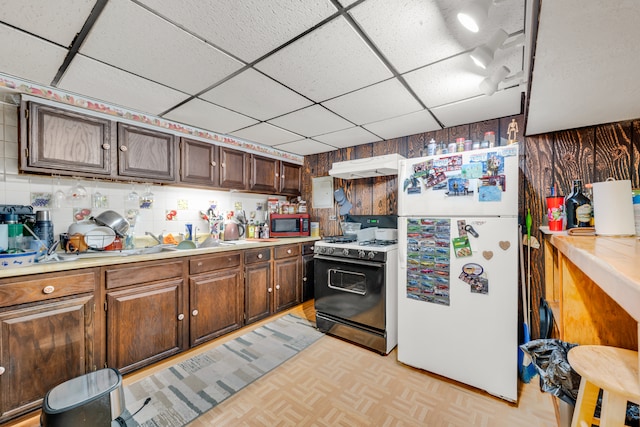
233, 169
287, 282
144, 324
258, 291
199, 163
146, 154
290, 178
216, 304
65, 142
42, 346
265, 174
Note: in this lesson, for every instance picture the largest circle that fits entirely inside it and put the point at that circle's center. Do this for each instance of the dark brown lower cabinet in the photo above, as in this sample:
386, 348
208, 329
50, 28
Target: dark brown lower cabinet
47, 336
258, 284
145, 314
215, 296
287, 277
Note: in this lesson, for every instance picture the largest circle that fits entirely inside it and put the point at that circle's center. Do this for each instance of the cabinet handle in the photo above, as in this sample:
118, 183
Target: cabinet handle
259, 256
213, 163
1, 370
282, 177
123, 148
194, 313
277, 174
304, 279
289, 251
48, 289
200, 264
106, 146
278, 287
223, 165
180, 316
270, 290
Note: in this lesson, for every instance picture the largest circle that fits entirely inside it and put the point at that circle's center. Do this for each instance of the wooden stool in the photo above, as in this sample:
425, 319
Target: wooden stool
615, 371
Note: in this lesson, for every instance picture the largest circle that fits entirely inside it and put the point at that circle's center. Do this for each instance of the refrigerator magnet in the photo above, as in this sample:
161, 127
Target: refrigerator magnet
489, 193
458, 186
461, 246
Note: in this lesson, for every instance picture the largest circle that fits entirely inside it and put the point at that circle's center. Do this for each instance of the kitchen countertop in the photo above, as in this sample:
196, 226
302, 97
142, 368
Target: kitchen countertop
611, 262
100, 261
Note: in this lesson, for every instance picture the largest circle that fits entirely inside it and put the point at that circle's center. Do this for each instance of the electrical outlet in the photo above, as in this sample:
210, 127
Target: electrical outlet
333, 218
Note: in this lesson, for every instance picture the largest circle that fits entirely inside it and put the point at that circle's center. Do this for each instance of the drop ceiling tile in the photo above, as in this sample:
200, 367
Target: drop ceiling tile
501, 104
205, 115
266, 134
414, 33
588, 74
100, 81
255, 95
328, 62
58, 21
247, 29
347, 137
161, 52
457, 78
305, 147
29, 57
409, 124
311, 121
374, 103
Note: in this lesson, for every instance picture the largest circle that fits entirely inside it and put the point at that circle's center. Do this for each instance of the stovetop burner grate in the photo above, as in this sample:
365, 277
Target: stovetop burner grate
376, 242
339, 239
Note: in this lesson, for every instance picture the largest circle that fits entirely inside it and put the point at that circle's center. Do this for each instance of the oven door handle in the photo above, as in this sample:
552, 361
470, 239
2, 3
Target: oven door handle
350, 261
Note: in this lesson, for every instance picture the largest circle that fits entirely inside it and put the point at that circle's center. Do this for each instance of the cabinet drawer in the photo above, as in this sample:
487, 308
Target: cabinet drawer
44, 287
202, 264
257, 255
145, 273
286, 251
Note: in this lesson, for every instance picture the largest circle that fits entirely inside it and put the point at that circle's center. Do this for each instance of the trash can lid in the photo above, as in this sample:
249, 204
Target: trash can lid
82, 389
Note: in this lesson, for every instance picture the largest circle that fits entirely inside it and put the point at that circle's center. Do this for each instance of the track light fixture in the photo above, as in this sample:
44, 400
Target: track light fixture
483, 54
489, 85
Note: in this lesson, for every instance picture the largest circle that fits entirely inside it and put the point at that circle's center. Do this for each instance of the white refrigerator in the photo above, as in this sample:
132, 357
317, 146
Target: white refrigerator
458, 267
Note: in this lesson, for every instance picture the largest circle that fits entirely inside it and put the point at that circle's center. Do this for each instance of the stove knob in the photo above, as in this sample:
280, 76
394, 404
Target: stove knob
371, 255
329, 251
361, 254
345, 252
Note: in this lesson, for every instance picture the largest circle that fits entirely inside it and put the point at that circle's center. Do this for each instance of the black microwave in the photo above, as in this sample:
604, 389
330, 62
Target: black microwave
289, 225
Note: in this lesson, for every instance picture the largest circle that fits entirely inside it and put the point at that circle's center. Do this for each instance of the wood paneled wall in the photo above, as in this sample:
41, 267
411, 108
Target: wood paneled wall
592, 154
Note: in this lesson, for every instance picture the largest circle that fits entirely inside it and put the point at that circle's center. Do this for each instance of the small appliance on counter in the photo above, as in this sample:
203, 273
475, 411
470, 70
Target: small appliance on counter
289, 225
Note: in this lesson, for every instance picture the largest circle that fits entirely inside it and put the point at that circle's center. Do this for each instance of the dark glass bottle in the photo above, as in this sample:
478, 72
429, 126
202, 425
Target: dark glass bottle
578, 207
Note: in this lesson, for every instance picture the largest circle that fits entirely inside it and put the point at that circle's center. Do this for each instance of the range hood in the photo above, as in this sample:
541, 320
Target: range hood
366, 168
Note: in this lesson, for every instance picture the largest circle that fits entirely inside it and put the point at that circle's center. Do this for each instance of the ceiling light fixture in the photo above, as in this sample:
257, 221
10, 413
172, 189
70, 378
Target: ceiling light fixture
483, 55
489, 85
473, 15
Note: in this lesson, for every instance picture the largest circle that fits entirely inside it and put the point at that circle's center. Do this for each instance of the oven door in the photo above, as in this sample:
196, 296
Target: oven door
352, 290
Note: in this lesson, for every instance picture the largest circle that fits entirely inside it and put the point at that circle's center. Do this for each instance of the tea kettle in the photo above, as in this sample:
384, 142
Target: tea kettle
233, 230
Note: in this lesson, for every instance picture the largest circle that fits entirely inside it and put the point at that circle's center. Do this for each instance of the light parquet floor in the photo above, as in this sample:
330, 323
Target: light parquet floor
338, 384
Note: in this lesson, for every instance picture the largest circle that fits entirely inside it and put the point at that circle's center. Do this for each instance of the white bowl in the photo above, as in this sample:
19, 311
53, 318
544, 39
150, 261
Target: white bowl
99, 237
82, 227
19, 259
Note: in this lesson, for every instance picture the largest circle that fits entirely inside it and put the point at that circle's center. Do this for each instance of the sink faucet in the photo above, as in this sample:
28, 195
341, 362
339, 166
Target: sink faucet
157, 239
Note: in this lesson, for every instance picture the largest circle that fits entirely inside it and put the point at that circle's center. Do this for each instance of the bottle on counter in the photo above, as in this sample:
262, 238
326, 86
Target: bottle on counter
578, 207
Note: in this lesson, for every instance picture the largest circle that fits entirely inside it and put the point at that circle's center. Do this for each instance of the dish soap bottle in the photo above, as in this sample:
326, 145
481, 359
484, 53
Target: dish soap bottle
578, 207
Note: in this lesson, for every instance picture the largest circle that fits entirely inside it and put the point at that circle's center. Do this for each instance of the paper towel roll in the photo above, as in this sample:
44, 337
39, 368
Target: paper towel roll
613, 208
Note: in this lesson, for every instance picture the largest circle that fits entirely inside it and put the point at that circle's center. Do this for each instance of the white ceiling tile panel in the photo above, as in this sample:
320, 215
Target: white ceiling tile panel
266, 134
205, 115
457, 78
311, 121
255, 95
414, 33
58, 21
326, 63
409, 124
100, 81
347, 137
374, 103
501, 104
585, 73
305, 147
248, 29
130, 37
29, 57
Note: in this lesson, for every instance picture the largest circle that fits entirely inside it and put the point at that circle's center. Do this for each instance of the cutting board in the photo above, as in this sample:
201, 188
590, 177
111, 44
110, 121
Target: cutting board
269, 239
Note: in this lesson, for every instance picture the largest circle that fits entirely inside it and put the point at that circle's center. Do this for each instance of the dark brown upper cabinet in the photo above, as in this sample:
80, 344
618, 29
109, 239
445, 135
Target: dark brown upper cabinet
64, 142
233, 169
275, 176
199, 163
145, 154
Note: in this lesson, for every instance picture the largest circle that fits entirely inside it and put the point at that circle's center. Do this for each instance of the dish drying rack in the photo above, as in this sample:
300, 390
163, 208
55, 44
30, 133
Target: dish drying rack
97, 242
